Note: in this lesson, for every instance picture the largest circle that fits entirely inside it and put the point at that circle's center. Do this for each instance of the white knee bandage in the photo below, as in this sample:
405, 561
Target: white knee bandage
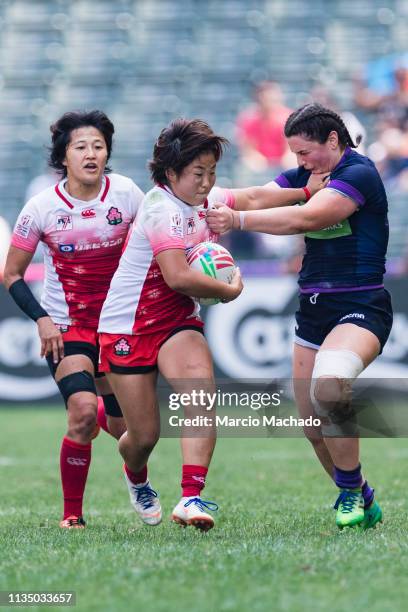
341, 364
338, 364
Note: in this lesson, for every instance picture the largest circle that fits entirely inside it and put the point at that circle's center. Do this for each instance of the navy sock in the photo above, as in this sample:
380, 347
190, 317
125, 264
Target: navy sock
348, 479
368, 494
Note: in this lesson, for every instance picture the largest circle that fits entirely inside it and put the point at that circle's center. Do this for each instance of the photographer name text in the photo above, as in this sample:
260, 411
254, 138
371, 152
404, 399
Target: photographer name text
247, 421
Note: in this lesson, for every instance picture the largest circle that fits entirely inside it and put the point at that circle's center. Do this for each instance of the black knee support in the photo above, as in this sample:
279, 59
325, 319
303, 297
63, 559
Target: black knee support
76, 382
112, 407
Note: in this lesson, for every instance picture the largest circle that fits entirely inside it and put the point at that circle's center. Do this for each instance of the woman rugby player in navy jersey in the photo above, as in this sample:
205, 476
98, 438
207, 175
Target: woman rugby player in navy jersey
345, 314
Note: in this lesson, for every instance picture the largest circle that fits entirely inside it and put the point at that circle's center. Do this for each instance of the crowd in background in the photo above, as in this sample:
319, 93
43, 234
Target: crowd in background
381, 104
380, 116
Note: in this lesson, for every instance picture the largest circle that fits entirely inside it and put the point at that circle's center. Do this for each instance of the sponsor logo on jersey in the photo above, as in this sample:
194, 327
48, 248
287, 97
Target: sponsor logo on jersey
176, 225
353, 315
89, 246
23, 226
89, 213
64, 223
114, 216
66, 248
122, 347
63, 328
191, 226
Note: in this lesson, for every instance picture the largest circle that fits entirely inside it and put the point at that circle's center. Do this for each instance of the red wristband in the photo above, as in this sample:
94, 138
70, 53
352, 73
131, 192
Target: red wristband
307, 192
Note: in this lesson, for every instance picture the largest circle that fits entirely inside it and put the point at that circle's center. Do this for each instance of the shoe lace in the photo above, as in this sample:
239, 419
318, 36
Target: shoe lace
202, 505
347, 500
145, 495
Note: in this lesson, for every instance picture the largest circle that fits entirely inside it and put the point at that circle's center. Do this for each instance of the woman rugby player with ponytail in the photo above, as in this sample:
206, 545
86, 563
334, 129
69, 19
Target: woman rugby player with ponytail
345, 314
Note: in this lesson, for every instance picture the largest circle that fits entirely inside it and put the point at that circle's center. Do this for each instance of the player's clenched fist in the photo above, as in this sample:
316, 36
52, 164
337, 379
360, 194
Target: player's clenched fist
317, 181
220, 219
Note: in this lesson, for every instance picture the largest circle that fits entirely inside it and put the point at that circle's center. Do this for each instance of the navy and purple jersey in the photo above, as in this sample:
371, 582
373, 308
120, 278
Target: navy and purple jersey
349, 255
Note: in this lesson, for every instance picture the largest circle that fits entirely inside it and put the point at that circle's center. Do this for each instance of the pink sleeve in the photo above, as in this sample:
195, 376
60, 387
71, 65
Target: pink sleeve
222, 195
229, 198
165, 231
26, 234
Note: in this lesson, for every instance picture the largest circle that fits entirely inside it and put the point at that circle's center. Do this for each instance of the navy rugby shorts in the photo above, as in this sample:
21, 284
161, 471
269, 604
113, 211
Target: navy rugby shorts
319, 313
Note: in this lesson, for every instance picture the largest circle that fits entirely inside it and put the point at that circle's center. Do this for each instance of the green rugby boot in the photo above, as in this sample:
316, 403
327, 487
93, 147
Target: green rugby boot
350, 508
372, 515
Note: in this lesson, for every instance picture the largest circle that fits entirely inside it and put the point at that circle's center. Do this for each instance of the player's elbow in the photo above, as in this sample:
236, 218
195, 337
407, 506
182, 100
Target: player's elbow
177, 281
311, 222
252, 200
258, 198
10, 277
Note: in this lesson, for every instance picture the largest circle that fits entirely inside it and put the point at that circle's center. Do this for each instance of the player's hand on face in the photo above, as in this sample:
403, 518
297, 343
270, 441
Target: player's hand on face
236, 286
220, 218
51, 339
317, 182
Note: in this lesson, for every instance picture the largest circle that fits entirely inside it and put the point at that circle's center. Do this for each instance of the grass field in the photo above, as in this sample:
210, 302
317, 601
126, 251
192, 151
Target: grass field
275, 545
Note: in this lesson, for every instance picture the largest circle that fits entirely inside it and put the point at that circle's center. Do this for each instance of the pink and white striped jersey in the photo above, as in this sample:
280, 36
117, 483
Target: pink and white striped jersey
139, 301
83, 242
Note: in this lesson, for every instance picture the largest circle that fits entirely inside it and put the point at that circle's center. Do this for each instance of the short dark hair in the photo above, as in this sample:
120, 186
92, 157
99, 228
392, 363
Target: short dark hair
61, 134
315, 122
180, 143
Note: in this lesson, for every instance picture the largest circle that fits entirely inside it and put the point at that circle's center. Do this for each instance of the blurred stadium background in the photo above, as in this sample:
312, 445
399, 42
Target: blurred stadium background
146, 61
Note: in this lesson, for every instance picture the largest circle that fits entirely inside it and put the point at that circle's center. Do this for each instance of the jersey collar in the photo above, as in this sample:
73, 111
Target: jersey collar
343, 158
70, 201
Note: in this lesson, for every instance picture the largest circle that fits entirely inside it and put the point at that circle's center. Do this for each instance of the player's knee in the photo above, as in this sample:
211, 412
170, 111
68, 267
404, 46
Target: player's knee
142, 441
134, 446
333, 375
330, 390
332, 402
82, 415
147, 441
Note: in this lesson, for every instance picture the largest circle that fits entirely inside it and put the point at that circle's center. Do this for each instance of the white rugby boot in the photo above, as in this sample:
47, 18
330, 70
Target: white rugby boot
145, 501
192, 511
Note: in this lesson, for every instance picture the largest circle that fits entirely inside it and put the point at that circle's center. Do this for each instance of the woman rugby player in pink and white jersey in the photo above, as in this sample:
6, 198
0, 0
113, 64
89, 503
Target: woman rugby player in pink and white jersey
149, 321
83, 222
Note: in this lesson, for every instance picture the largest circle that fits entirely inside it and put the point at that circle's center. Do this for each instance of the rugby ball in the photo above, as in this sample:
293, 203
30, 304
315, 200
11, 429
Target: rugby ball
215, 261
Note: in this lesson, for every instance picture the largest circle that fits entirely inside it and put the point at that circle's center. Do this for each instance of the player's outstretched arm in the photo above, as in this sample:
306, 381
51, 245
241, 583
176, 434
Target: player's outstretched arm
272, 195
17, 263
180, 277
325, 209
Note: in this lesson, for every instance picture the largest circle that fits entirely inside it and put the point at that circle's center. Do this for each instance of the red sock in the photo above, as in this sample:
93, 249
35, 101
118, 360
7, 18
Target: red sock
193, 480
101, 415
136, 477
74, 463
